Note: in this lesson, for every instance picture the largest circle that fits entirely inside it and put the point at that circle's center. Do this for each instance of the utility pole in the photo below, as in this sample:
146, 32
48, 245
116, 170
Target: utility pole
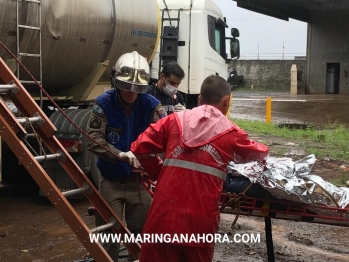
283, 50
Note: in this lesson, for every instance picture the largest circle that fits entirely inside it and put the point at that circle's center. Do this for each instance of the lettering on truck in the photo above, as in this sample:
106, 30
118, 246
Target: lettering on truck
135, 32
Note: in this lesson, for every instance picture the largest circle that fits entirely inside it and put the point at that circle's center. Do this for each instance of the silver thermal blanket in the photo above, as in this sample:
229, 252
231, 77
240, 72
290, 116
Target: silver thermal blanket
293, 181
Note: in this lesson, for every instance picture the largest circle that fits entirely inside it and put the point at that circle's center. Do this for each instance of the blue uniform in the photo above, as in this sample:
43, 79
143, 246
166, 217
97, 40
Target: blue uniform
122, 130
115, 128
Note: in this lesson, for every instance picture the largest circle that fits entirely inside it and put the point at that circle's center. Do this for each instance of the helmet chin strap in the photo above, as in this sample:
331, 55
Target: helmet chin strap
124, 103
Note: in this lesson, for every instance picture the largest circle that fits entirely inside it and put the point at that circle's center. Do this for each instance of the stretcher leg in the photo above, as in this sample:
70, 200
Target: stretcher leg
269, 239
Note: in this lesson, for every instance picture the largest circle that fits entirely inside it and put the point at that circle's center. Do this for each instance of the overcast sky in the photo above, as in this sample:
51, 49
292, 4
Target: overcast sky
271, 33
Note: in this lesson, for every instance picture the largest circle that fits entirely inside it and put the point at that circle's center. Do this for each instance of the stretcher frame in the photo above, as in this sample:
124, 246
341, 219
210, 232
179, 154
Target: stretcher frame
293, 211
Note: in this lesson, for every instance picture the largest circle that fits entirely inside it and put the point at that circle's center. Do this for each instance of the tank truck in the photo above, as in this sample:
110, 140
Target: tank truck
77, 42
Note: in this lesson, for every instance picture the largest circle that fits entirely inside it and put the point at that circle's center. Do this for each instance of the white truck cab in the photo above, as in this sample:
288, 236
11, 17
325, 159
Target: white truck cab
193, 34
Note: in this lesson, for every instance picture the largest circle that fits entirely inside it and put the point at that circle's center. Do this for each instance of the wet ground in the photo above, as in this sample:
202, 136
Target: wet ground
316, 110
293, 241
32, 230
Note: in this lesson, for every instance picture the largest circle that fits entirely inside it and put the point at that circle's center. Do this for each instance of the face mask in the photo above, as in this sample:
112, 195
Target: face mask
169, 90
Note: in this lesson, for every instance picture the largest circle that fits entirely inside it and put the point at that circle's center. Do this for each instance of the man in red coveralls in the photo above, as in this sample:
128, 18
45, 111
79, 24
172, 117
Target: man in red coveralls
198, 146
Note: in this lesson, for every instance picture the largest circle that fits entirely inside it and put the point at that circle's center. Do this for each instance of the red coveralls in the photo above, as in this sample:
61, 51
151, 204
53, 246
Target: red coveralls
198, 146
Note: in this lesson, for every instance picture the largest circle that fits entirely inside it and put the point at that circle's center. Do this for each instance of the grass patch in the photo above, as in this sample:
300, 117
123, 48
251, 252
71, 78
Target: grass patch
340, 181
332, 140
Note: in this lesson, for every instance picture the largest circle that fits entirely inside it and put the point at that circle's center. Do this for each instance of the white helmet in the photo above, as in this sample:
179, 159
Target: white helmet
132, 72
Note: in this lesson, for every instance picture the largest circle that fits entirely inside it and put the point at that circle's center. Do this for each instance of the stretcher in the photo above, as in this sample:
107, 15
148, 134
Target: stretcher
240, 204
248, 206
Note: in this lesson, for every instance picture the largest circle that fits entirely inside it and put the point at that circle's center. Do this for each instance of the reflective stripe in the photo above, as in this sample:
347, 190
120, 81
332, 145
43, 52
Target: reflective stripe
168, 108
196, 167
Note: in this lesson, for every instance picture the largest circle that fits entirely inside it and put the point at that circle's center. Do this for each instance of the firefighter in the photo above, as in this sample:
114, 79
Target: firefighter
117, 118
198, 146
165, 89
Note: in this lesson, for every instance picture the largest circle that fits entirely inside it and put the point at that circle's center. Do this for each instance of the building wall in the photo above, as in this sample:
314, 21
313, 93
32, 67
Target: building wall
328, 42
271, 74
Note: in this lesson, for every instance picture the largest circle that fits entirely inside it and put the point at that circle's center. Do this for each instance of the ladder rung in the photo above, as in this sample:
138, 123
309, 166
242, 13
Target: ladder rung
29, 27
74, 192
102, 228
26, 54
30, 135
33, 1
23, 120
170, 37
6, 88
170, 19
29, 82
48, 157
168, 55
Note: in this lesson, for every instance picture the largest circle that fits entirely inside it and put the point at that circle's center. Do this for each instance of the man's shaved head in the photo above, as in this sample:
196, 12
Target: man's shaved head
213, 89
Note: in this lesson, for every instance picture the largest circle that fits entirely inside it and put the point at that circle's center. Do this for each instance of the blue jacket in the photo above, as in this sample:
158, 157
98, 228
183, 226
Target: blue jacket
122, 130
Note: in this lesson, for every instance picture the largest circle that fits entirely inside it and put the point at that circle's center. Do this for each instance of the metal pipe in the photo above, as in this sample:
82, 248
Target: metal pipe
74, 192
33, 1
30, 119
31, 135
48, 157
28, 54
103, 227
29, 27
8, 86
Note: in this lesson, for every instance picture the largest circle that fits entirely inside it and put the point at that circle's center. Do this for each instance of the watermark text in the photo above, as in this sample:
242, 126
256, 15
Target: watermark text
175, 239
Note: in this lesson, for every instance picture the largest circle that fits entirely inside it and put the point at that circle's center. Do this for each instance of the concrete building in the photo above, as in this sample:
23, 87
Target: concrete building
327, 67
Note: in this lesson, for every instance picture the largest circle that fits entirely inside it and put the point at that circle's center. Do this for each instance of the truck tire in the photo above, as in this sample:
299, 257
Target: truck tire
84, 159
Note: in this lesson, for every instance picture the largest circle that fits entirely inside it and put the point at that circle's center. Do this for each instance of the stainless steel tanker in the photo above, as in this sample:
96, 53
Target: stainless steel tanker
78, 35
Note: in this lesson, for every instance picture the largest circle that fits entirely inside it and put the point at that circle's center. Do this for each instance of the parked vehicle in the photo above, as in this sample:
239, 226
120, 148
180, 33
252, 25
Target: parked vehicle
235, 80
82, 39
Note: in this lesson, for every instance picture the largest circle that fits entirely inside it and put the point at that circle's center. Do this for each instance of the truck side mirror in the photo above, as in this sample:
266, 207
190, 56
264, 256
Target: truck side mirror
234, 49
235, 32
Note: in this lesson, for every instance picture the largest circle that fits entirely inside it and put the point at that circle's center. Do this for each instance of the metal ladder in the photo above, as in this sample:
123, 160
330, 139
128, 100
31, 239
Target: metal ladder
169, 39
13, 132
29, 27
